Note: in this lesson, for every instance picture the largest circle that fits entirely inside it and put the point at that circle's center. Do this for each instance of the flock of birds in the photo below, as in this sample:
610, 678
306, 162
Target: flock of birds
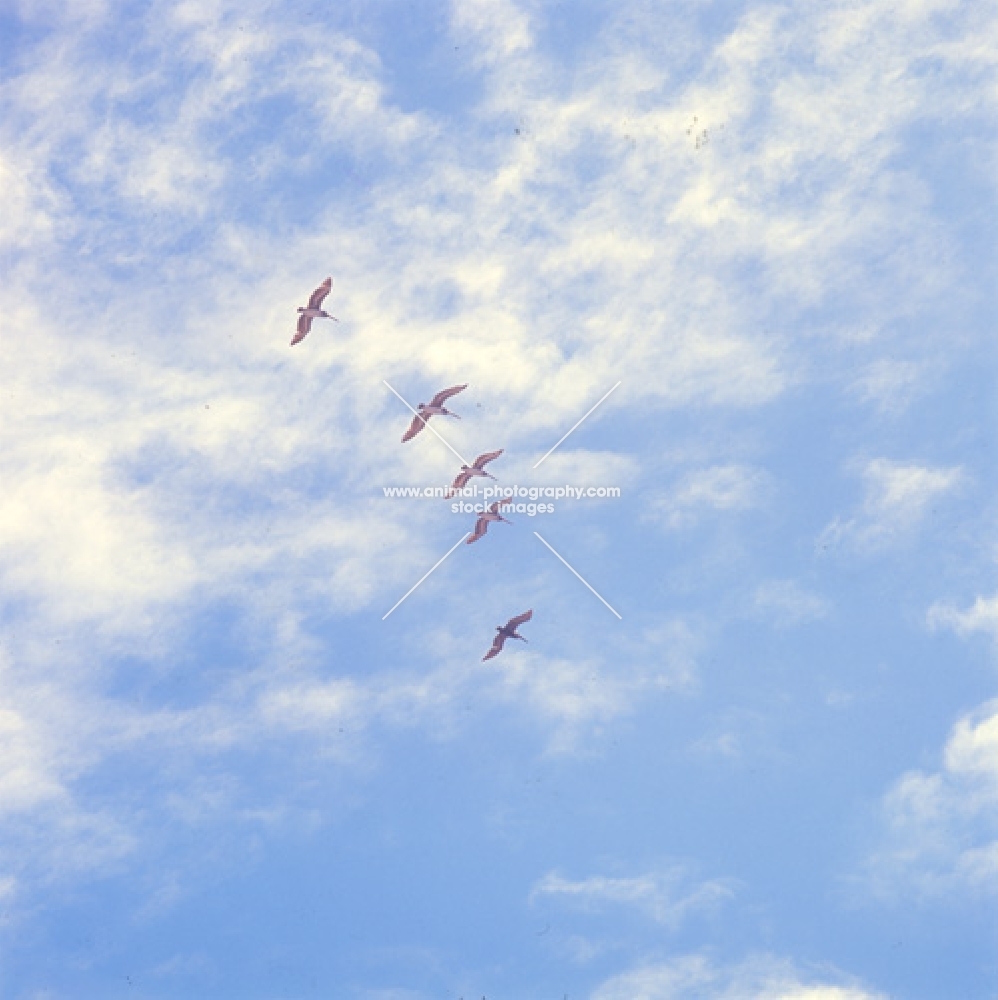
434, 408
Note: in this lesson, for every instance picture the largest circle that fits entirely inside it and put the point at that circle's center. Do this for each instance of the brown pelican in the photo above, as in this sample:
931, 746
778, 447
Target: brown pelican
507, 631
492, 514
432, 409
313, 311
477, 468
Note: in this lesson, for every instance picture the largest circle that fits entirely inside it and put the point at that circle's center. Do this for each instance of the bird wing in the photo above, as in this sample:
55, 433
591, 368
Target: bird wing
483, 460
304, 325
315, 299
496, 647
444, 394
516, 622
414, 428
460, 481
481, 526
500, 503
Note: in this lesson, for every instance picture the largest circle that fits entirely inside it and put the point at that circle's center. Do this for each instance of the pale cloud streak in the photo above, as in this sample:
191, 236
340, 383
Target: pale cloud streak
667, 897
718, 488
759, 978
897, 497
787, 603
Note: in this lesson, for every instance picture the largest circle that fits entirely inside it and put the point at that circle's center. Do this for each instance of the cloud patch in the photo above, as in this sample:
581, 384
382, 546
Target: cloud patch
694, 977
666, 897
897, 497
716, 489
942, 830
981, 616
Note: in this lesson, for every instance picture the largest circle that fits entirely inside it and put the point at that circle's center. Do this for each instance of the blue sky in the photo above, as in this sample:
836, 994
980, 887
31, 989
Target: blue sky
224, 774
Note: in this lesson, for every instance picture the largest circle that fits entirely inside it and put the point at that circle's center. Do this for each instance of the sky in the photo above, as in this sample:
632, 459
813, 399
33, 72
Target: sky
766, 767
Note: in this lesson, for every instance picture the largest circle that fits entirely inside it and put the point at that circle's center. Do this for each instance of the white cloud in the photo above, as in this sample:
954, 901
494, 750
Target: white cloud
897, 496
693, 977
495, 30
903, 491
941, 831
736, 736
942, 834
578, 467
659, 981
25, 782
569, 699
890, 384
786, 602
717, 488
577, 696
982, 616
444, 209
666, 897
29, 204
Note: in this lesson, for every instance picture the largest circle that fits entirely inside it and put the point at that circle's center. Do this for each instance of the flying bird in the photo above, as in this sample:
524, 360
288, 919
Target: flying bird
507, 631
492, 514
433, 408
477, 468
313, 310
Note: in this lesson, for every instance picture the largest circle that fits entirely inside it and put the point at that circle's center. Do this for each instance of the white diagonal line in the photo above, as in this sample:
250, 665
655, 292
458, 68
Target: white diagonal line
425, 575
573, 428
426, 424
580, 578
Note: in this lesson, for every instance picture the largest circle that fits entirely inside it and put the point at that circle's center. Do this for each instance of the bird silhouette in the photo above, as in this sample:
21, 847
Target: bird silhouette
477, 468
507, 631
433, 408
312, 311
492, 514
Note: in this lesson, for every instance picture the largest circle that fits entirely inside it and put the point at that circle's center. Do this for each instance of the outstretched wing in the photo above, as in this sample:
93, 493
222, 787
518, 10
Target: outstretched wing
496, 647
460, 482
315, 299
500, 503
304, 325
414, 428
516, 622
481, 526
483, 460
444, 394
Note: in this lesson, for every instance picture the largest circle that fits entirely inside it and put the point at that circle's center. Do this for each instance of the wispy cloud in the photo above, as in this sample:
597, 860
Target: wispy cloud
717, 488
890, 385
495, 30
786, 603
666, 897
897, 496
